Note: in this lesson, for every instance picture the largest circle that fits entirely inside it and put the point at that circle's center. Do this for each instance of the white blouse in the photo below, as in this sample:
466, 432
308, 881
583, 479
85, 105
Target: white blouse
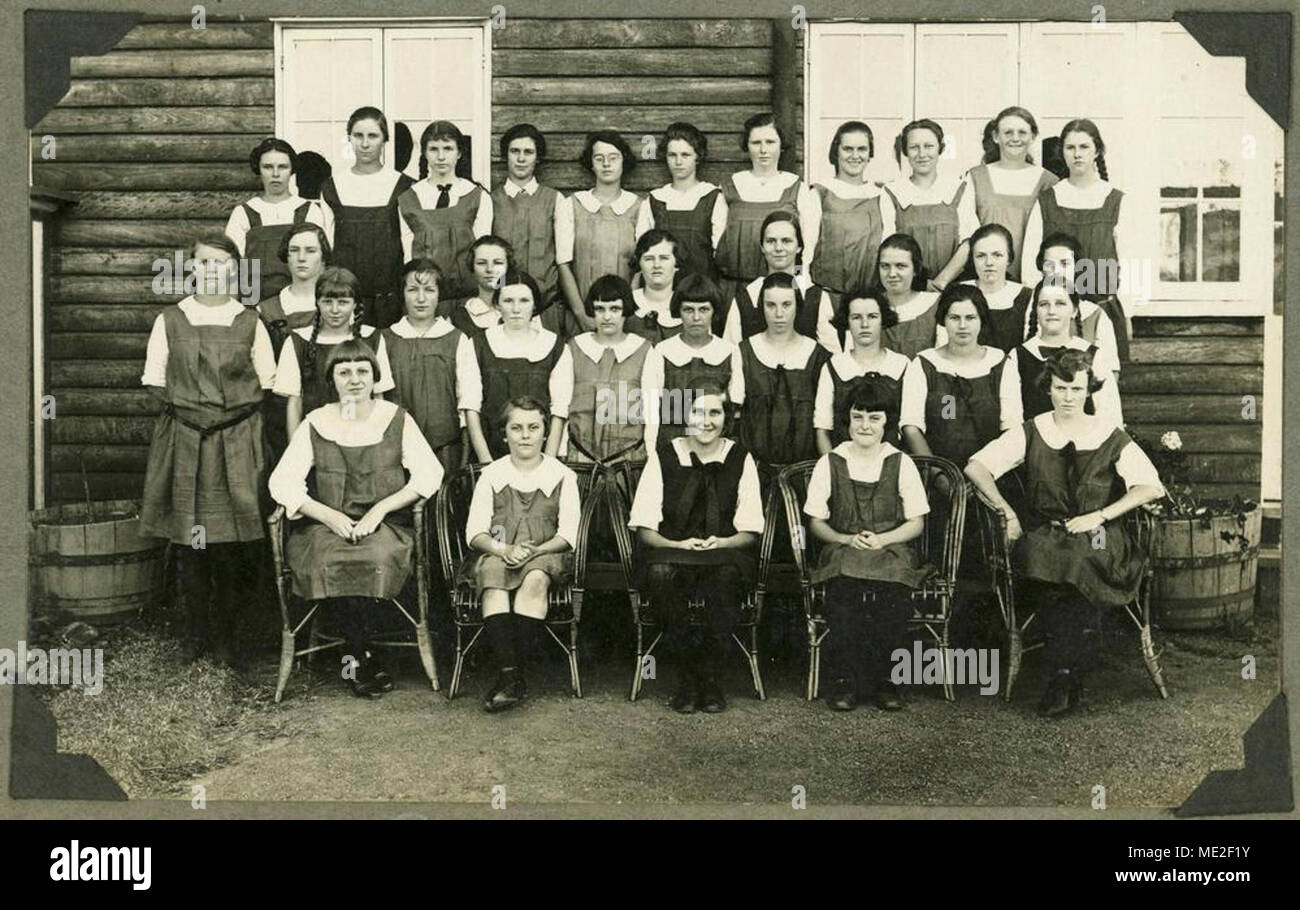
288, 375
891, 364
273, 213
844, 190
156, 352
770, 189
817, 504
941, 192
825, 312
685, 201
646, 306
533, 348
916, 388
427, 194
1105, 400
647, 506
469, 383
561, 223
291, 303
545, 477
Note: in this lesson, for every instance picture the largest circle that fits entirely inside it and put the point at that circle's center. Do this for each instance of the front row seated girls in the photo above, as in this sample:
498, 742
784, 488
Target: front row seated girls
523, 520
1083, 473
351, 466
698, 514
866, 504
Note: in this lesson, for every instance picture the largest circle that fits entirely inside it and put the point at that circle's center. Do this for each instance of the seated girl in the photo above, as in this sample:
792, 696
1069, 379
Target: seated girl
698, 513
523, 519
866, 502
350, 467
1083, 473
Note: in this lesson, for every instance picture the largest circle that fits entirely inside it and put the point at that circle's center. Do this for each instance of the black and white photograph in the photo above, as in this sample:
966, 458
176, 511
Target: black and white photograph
746, 409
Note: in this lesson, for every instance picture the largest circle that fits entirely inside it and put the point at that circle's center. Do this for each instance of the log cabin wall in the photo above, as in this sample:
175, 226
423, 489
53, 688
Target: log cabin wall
153, 138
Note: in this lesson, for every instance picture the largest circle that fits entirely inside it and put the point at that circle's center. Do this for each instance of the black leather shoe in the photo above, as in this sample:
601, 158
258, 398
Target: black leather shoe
887, 698
686, 700
364, 685
379, 675
507, 692
712, 701
842, 697
1061, 696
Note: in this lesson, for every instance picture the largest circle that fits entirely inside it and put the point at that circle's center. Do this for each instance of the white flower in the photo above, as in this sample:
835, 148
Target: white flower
1172, 441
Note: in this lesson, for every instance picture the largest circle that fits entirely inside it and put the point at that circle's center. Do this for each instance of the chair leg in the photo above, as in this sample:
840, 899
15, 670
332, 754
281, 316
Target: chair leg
751, 654
948, 693
574, 675
460, 664
286, 662
1015, 646
423, 644
640, 656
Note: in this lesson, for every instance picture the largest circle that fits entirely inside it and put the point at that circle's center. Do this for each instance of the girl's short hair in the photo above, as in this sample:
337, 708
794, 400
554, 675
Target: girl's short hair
523, 131
708, 385
337, 281
271, 144
696, 289
1064, 364
870, 394
993, 229
326, 251
688, 133
348, 351
900, 144
781, 215
218, 241
515, 276
767, 118
781, 281
490, 240
654, 237
525, 403
991, 151
1058, 238
851, 126
422, 265
609, 137
369, 113
963, 293
907, 243
607, 288
840, 321
1083, 125
444, 130
1033, 307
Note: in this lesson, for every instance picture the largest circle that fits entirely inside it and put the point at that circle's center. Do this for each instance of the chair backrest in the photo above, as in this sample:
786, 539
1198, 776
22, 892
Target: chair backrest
945, 524
451, 516
792, 484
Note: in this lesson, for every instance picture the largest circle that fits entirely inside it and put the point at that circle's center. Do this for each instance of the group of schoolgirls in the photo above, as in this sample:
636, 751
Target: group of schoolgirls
695, 290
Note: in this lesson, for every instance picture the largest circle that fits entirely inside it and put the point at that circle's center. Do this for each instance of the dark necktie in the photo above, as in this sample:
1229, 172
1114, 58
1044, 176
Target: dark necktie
1071, 455
701, 491
444, 195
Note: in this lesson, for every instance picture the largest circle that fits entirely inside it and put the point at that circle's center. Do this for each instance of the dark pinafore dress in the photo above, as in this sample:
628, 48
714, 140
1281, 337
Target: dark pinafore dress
1063, 483
740, 254
1006, 328
849, 240
860, 506
603, 243
505, 378
444, 235
752, 320
915, 335
693, 230
935, 227
1034, 400
777, 425
351, 479
522, 517
262, 242
650, 328
279, 325
316, 388
527, 223
1012, 212
368, 242
684, 380
840, 388
424, 377
962, 415
1095, 231
206, 463
597, 428
699, 500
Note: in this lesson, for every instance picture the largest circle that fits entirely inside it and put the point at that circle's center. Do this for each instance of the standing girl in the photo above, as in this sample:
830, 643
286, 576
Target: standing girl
1007, 184
604, 222
1057, 257
690, 209
658, 261
518, 358
258, 226
346, 469
208, 361
853, 220
523, 519
1086, 207
300, 376
363, 202
864, 316
754, 194
442, 215
936, 210
902, 280
527, 215
1008, 302
435, 373
781, 371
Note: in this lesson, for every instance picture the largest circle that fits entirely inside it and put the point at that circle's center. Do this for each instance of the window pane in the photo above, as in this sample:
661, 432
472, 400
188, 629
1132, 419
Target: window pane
1178, 242
1178, 192
1222, 257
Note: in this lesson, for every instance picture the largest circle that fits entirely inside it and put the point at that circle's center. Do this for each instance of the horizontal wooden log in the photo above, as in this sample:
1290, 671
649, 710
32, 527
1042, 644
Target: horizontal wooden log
105, 402
159, 205
233, 148
1145, 378
1237, 437
1197, 351
208, 119
630, 33
107, 289
128, 459
1234, 468
630, 118
109, 260
635, 90
73, 430
1224, 409
722, 146
178, 92
1164, 326
102, 345
134, 233
110, 317
71, 487
599, 62
102, 374
181, 34
185, 63
144, 176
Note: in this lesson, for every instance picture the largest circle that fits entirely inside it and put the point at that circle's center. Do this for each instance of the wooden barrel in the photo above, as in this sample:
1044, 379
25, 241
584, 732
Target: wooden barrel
88, 562
1204, 579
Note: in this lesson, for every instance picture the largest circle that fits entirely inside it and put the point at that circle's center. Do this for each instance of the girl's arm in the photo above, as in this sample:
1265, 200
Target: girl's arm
908, 530
569, 285
914, 439
738, 541
649, 537
293, 414
474, 427
486, 543
982, 477
822, 530
953, 268
556, 434
823, 442
1139, 495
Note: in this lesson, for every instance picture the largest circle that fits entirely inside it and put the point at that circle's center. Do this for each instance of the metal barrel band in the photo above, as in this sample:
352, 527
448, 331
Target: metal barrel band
105, 559
1214, 559
1185, 604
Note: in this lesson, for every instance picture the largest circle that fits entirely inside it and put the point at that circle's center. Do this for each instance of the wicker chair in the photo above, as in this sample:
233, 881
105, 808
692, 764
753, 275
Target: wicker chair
997, 558
649, 622
940, 546
563, 612
278, 530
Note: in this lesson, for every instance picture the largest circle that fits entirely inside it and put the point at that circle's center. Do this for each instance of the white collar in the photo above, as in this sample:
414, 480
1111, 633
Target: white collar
190, 306
528, 189
619, 206
695, 193
794, 357
644, 308
305, 331
595, 350
944, 187
677, 352
782, 179
402, 328
883, 452
916, 306
1074, 341
476, 306
340, 429
1051, 434
892, 365
801, 280
992, 357
683, 451
261, 204
845, 190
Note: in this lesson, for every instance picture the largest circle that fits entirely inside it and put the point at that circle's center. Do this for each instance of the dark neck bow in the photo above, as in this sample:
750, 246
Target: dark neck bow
701, 492
1070, 453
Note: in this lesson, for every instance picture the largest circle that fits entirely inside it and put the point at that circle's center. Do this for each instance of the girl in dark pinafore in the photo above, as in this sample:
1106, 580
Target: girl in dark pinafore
346, 470
1008, 301
854, 216
690, 209
208, 361
363, 202
902, 279
528, 215
866, 502
518, 358
658, 261
435, 372
1076, 557
443, 214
